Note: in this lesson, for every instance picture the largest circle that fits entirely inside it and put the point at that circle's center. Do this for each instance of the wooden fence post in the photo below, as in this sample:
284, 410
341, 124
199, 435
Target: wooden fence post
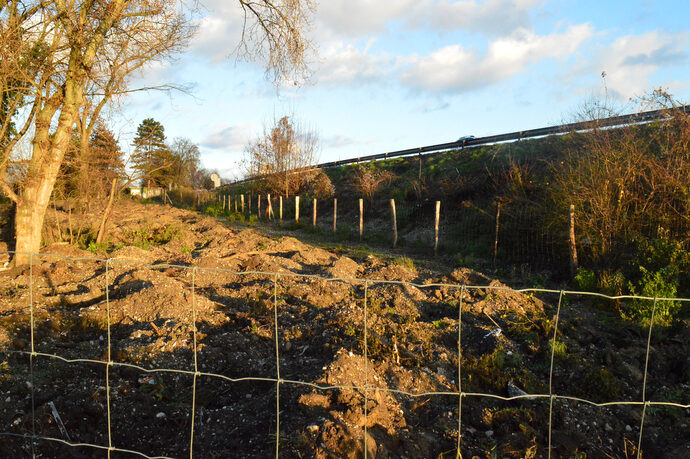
235, 200
270, 207
335, 213
249, 205
436, 221
224, 203
313, 219
573, 246
258, 207
296, 209
498, 218
242, 208
395, 224
280, 208
361, 218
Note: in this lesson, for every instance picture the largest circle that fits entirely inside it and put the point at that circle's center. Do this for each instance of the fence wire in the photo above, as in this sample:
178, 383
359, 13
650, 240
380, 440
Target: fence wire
194, 371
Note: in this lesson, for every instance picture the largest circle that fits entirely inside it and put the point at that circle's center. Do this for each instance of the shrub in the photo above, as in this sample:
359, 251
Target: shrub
586, 280
96, 248
600, 385
214, 209
654, 284
612, 283
236, 217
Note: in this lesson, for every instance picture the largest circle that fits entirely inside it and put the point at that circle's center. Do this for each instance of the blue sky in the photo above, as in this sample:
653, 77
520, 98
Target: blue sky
393, 74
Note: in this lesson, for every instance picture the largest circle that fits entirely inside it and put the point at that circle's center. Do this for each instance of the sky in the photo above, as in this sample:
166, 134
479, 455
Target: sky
396, 74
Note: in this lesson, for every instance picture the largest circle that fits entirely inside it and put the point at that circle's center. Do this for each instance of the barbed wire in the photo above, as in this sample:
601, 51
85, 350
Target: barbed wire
108, 363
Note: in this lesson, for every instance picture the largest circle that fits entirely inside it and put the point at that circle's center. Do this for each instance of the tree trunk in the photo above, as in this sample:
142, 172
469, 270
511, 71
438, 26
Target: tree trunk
43, 169
31, 210
106, 213
47, 154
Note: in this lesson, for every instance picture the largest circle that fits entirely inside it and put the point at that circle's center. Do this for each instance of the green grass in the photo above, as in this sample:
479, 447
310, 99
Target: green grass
405, 262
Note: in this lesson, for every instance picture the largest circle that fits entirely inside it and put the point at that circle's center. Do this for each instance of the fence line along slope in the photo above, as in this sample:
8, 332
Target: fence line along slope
190, 338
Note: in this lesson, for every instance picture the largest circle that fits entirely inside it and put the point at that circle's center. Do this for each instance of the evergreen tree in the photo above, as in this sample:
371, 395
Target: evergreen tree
106, 157
152, 158
87, 172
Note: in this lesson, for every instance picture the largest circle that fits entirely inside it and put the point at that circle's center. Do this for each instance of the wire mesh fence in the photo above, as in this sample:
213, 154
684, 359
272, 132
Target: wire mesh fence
516, 234
276, 308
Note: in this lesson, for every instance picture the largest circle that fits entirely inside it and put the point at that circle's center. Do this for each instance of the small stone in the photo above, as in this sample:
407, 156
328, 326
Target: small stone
489, 433
248, 395
628, 428
608, 427
160, 415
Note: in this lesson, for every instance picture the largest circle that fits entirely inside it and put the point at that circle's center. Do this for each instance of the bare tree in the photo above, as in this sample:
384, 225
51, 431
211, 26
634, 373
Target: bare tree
627, 183
282, 156
367, 180
277, 32
186, 155
62, 61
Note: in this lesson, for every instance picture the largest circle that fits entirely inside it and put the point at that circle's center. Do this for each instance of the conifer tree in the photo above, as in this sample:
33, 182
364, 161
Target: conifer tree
152, 157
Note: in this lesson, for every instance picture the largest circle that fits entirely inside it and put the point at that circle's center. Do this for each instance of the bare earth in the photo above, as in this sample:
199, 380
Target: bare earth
409, 365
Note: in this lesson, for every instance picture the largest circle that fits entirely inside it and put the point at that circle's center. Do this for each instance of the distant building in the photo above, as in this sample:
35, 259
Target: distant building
215, 178
144, 192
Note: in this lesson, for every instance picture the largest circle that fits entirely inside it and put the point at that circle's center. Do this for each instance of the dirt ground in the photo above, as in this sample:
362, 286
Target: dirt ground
139, 309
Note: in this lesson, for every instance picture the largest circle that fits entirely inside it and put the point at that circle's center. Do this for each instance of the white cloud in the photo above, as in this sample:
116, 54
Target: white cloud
456, 69
229, 138
357, 18
341, 61
339, 140
220, 31
345, 63
630, 61
493, 17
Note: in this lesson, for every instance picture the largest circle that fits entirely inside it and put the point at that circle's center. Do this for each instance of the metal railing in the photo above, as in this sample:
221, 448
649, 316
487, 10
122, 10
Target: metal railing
610, 122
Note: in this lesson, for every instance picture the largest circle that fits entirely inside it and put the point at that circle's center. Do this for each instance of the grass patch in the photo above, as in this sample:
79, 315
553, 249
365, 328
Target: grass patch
405, 262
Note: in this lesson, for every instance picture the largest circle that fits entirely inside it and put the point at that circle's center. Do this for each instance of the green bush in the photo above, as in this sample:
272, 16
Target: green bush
236, 217
144, 237
213, 209
654, 284
464, 261
612, 283
586, 280
97, 248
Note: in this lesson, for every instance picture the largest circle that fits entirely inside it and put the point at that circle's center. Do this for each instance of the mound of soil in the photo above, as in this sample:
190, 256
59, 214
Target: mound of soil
233, 332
